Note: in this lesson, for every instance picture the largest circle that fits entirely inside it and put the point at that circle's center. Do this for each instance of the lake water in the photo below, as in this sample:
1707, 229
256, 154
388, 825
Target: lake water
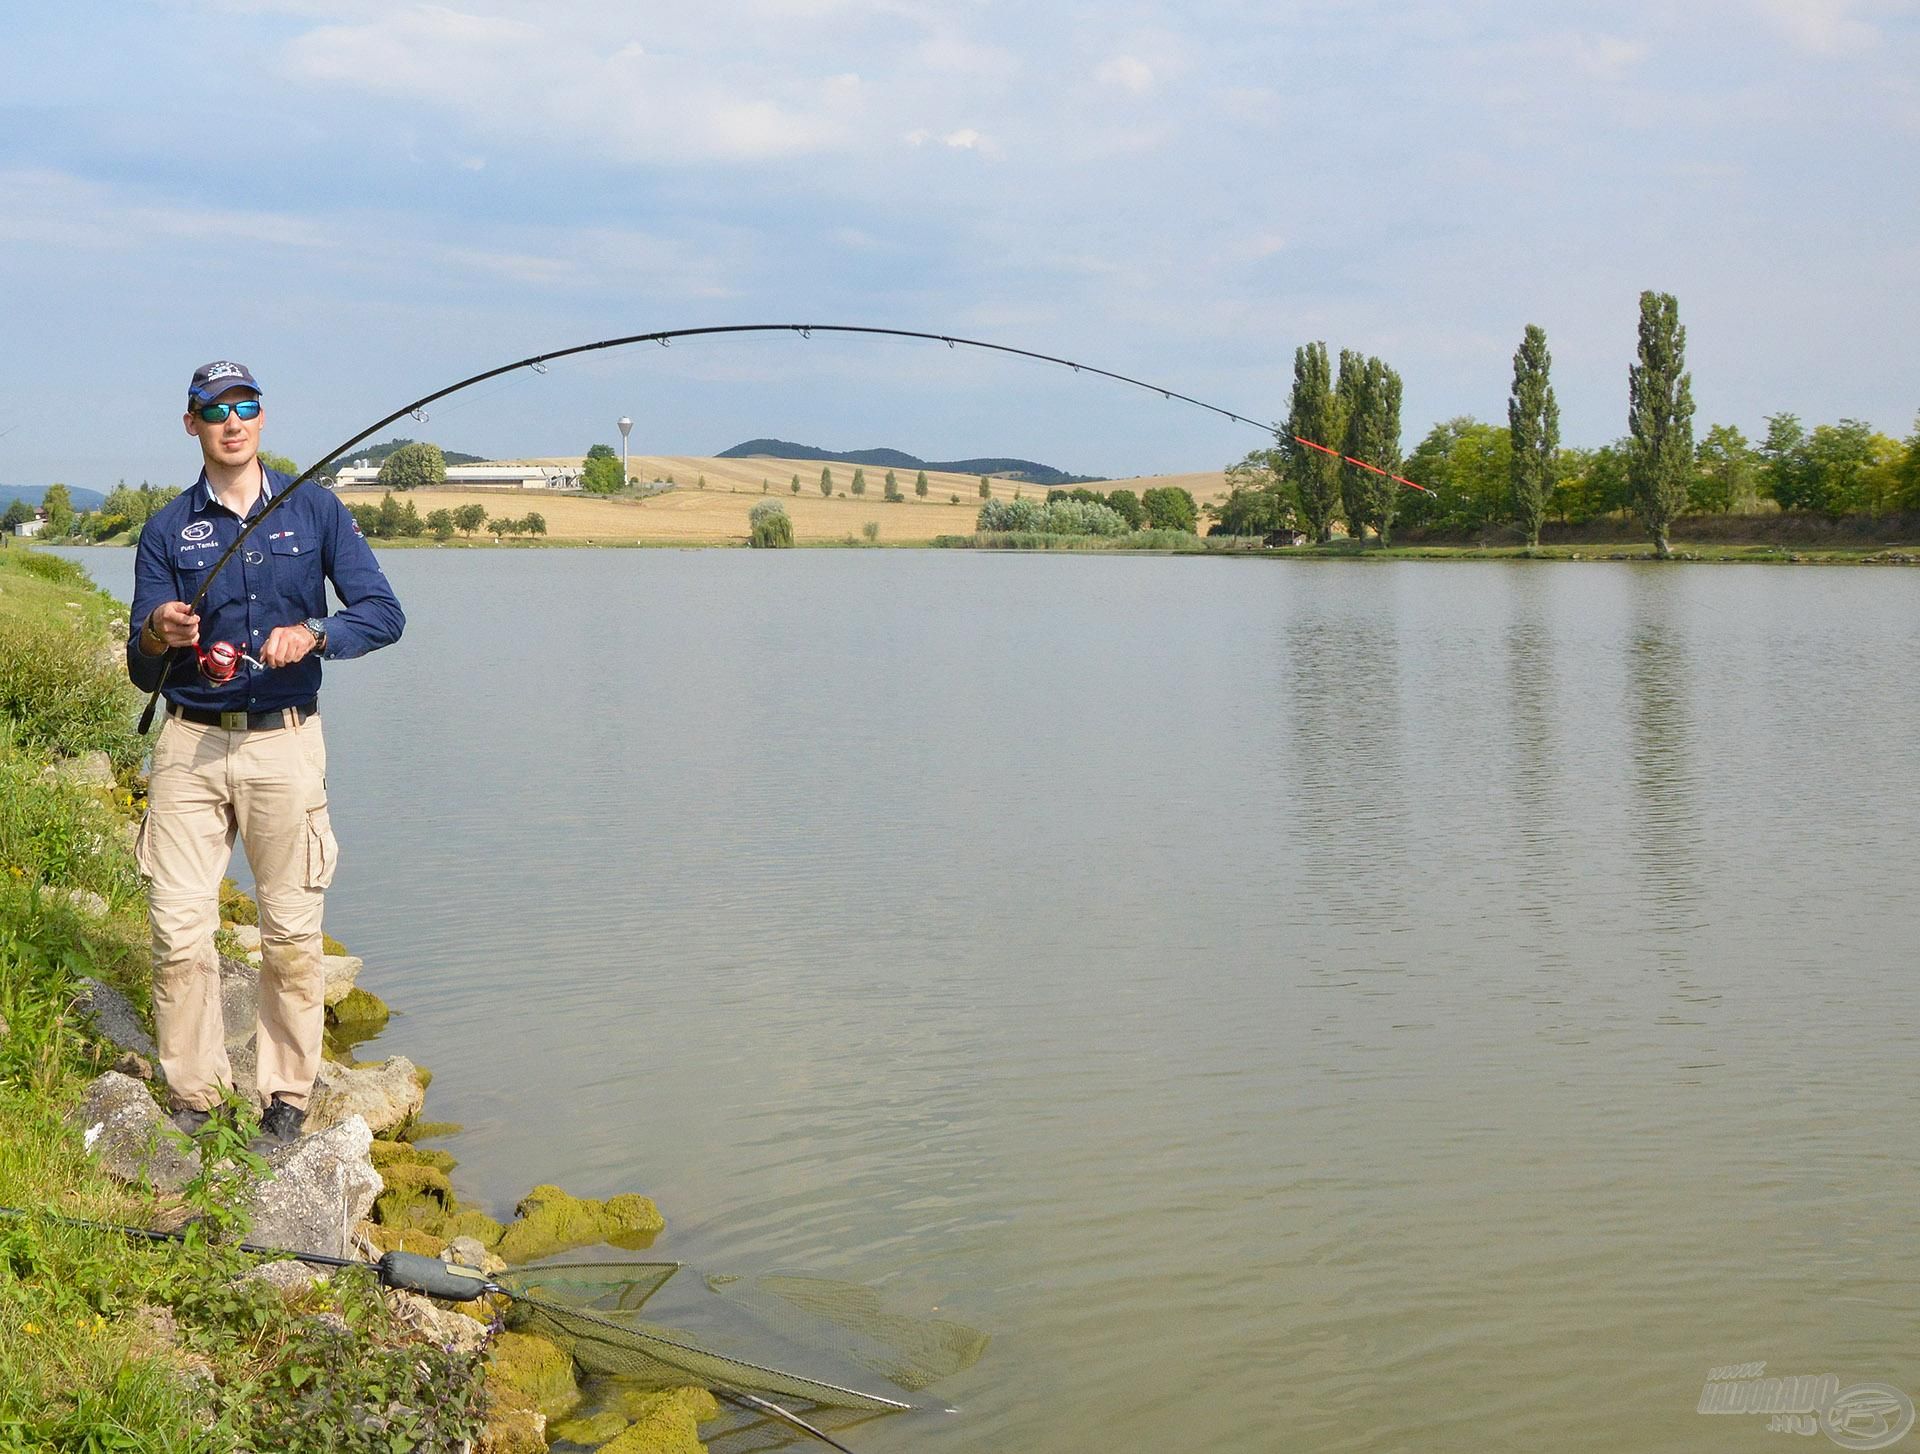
1288, 1005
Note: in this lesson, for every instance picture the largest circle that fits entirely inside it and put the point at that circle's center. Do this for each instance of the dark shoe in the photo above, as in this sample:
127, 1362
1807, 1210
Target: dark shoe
283, 1120
188, 1121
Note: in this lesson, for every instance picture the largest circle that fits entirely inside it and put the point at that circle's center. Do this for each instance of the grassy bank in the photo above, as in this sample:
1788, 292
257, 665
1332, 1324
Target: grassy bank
107, 1343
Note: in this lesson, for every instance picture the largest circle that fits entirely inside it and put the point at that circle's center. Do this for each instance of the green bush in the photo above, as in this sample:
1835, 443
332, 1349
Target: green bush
62, 693
768, 526
55, 568
1051, 517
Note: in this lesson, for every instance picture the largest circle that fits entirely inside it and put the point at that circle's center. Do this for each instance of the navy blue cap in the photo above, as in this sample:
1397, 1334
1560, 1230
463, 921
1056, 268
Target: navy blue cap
212, 380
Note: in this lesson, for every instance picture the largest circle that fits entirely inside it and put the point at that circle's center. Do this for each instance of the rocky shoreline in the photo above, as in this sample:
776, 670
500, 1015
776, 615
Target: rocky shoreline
358, 1184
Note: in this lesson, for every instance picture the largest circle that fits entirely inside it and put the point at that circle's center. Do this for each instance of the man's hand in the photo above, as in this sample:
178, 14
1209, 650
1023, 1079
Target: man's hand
173, 623
286, 645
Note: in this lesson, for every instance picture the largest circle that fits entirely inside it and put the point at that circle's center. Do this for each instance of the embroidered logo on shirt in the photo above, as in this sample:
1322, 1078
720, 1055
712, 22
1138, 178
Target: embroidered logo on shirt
199, 530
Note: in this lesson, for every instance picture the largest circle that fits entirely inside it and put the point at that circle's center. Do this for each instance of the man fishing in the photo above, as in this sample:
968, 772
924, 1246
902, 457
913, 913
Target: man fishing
241, 749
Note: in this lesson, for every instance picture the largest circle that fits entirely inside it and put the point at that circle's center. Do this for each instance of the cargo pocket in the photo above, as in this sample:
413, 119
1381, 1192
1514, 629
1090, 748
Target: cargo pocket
142, 845
323, 853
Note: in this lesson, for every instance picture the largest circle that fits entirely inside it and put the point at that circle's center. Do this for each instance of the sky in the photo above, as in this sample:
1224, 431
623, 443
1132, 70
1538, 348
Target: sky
367, 201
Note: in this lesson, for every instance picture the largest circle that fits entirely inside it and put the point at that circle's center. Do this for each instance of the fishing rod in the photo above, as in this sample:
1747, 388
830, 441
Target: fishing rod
538, 363
454, 1282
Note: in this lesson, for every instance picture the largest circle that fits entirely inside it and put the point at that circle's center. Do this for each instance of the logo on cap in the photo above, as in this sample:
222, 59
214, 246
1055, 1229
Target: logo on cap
225, 371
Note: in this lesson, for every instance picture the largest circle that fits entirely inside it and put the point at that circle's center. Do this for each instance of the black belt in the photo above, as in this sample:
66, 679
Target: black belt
244, 721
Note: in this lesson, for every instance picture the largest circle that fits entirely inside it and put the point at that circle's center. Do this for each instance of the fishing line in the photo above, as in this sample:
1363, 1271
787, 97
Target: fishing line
537, 362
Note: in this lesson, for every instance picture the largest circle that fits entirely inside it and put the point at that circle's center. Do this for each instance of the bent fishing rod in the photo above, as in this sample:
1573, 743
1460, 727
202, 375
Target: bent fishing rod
538, 363
453, 1282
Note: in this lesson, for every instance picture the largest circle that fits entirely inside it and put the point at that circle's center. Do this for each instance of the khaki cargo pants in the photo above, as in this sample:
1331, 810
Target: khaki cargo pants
269, 786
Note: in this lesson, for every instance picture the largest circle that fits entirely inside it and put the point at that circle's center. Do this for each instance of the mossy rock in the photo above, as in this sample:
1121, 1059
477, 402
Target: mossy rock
415, 1196
514, 1424
419, 1180
478, 1225
422, 1077
592, 1430
552, 1221
360, 1009
536, 1368
330, 945
420, 1131
235, 906
665, 1423
403, 1239
399, 1153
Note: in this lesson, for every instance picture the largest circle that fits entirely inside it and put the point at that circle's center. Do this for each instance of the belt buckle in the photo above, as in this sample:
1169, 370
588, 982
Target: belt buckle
234, 721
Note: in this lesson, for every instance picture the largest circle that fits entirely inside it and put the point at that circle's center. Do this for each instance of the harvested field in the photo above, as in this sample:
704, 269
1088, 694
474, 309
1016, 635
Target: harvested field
717, 515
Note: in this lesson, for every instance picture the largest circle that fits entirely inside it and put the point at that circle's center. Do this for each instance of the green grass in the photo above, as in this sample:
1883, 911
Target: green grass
82, 1366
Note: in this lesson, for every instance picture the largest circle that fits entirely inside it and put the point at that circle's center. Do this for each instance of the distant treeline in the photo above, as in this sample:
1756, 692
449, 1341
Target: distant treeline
1518, 476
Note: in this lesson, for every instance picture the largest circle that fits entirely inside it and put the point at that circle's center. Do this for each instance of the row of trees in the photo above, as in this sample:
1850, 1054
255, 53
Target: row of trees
393, 520
1164, 507
1479, 475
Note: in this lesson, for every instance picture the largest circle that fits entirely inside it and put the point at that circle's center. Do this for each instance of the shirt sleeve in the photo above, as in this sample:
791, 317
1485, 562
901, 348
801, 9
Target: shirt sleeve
153, 585
370, 616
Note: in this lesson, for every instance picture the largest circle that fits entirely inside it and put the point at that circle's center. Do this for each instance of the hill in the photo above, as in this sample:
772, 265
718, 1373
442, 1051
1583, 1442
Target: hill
83, 499
1013, 469
377, 454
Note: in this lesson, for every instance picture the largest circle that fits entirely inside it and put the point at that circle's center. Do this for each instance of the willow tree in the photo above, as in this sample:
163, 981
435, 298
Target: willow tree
1660, 418
1313, 414
1533, 419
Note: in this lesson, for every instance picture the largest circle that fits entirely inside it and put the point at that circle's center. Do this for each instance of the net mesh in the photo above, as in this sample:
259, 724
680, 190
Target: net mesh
588, 1309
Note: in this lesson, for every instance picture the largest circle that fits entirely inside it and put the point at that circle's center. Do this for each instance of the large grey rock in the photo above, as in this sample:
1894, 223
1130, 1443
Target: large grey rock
341, 971
87, 902
114, 1018
249, 937
286, 1277
93, 769
450, 1329
239, 1000
386, 1095
322, 1186
130, 1138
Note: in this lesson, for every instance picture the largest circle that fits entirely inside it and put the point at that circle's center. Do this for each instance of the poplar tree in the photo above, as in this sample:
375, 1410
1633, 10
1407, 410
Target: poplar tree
826, 480
859, 480
1379, 441
1312, 413
1369, 400
1660, 419
1350, 396
920, 484
1533, 419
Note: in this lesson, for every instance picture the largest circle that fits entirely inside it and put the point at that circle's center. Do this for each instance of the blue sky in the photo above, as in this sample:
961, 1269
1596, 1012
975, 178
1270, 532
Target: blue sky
367, 200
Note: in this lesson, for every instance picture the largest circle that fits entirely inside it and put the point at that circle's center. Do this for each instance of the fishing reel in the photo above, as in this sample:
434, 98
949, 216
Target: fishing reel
221, 661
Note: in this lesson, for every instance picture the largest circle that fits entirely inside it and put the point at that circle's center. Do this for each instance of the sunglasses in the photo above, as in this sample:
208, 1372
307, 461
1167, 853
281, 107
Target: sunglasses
217, 413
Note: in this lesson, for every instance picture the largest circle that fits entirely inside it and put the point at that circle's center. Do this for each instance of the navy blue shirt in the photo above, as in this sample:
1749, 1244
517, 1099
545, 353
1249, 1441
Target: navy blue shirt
278, 579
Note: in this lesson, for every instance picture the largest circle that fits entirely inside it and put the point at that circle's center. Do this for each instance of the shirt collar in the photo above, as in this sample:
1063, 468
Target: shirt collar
208, 498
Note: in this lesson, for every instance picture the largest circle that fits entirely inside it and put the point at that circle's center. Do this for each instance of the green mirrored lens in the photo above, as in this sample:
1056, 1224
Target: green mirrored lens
217, 413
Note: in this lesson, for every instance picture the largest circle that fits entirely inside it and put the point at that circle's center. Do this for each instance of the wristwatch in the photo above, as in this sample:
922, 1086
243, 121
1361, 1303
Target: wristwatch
319, 630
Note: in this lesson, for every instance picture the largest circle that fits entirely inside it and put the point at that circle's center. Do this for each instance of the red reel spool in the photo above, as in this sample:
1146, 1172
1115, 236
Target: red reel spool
219, 662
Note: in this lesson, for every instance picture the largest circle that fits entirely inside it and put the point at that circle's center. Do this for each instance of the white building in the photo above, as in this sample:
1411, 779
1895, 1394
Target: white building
29, 528
475, 477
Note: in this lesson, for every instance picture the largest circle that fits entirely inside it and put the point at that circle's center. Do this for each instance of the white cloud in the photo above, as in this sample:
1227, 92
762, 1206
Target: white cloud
1824, 27
965, 139
1125, 73
66, 211
517, 79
